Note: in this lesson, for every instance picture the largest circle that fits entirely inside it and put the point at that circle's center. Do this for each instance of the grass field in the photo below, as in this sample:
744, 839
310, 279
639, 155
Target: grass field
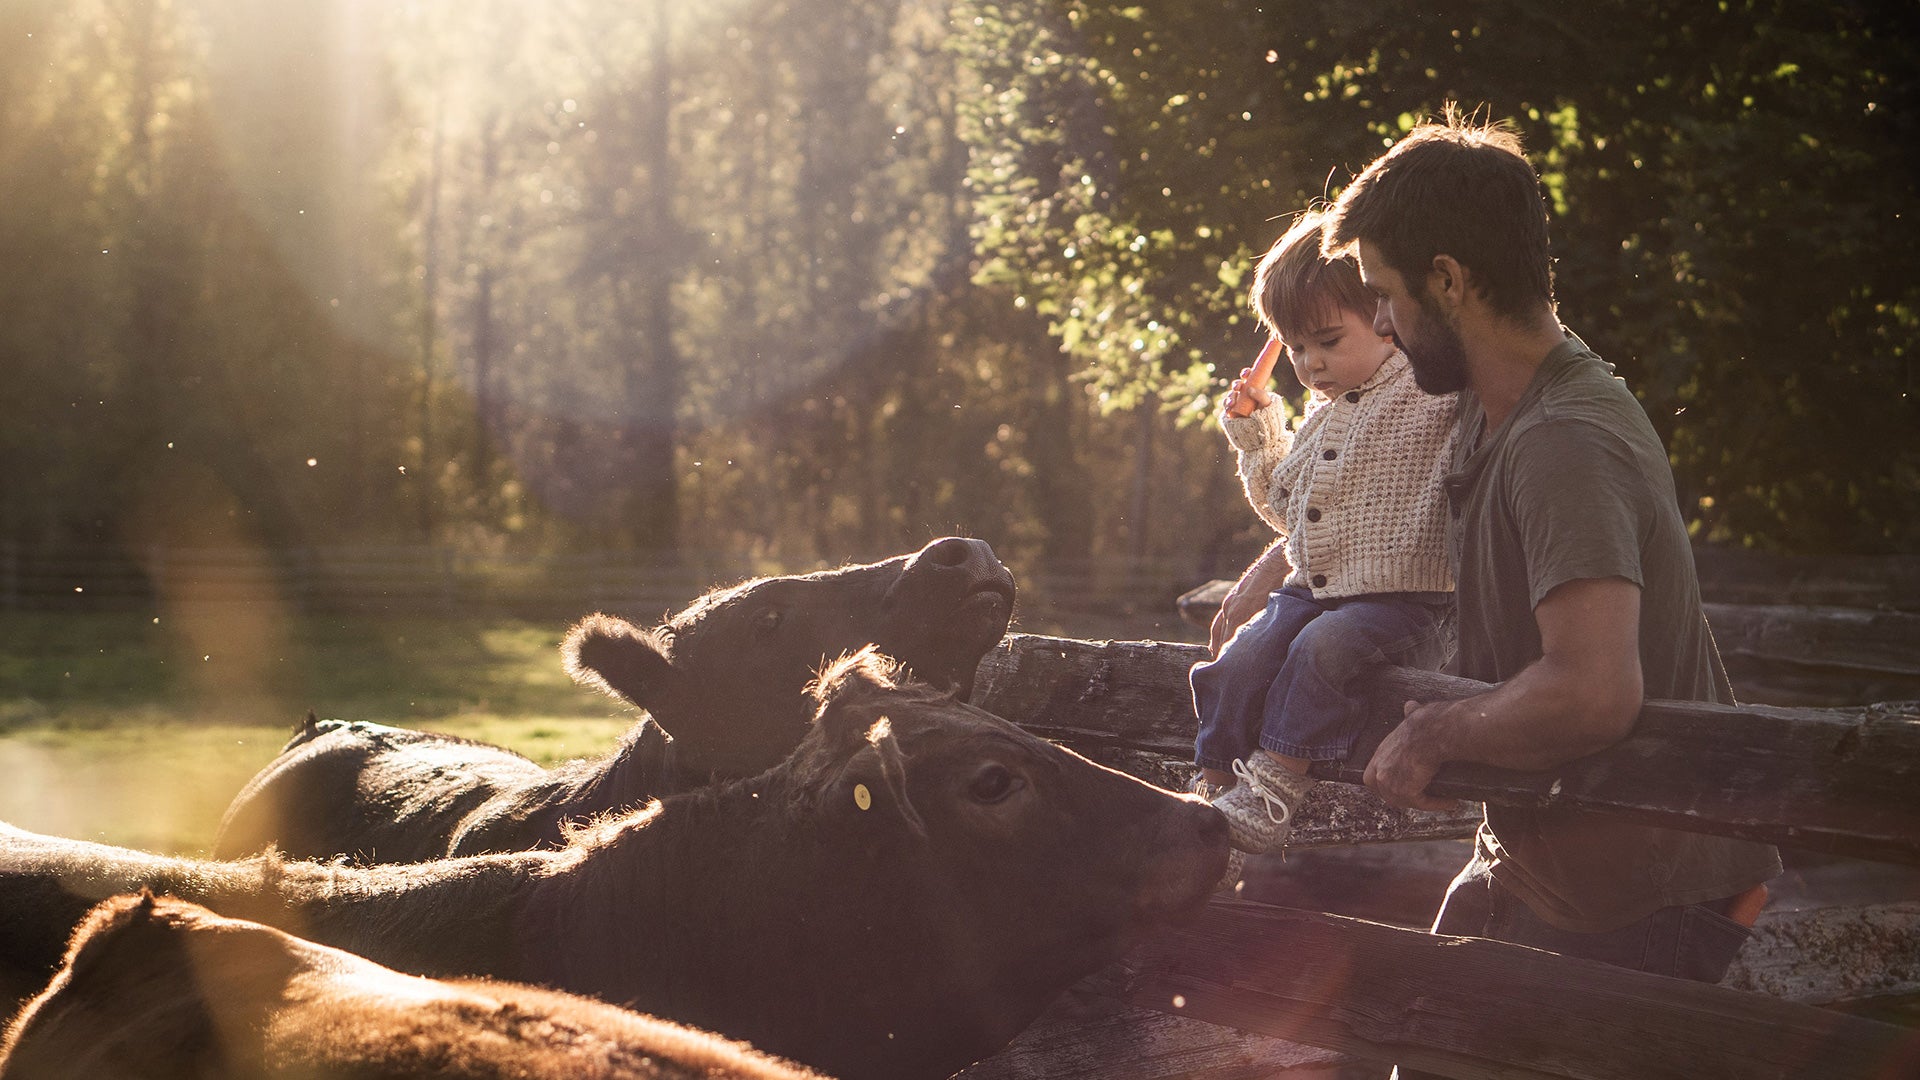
138, 731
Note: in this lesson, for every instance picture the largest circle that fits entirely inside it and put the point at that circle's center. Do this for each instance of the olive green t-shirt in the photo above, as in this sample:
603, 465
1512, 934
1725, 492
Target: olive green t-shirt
1575, 484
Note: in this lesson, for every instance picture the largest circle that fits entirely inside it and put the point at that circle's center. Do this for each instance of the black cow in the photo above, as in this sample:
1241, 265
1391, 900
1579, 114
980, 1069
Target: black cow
724, 679
154, 989
897, 899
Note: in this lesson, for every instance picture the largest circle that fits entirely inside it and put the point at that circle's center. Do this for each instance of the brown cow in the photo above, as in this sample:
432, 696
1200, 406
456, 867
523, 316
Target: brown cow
160, 988
725, 677
897, 899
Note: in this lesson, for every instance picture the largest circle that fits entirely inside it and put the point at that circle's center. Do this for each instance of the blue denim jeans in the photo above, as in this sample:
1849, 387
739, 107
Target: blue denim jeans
1281, 682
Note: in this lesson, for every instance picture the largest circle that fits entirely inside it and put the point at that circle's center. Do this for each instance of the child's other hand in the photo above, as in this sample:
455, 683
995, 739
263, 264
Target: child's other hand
1249, 392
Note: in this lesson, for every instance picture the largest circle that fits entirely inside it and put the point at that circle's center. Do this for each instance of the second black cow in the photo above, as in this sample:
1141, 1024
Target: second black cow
722, 683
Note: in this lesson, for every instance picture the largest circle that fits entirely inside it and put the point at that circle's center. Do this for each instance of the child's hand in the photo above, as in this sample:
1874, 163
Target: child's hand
1249, 391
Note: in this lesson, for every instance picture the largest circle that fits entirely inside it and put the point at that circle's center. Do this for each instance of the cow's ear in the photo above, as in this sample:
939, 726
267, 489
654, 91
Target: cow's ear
849, 692
874, 780
853, 694
618, 658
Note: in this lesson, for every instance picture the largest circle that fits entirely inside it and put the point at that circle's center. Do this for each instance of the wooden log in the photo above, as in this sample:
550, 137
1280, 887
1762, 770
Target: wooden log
1848, 639
1818, 655
1876, 582
1813, 956
1884, 582
1783, 654
1080, 1041
1506, 1011
1837, 780
1821, 956
1199, 604
1126, 705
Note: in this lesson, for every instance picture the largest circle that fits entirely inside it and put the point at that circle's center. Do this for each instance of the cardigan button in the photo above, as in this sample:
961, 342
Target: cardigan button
1353, 395
1313, 514
1285, 493
1330, 454
1319, 581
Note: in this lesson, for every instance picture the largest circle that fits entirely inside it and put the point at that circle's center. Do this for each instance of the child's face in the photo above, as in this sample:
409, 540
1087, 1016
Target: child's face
1339, 356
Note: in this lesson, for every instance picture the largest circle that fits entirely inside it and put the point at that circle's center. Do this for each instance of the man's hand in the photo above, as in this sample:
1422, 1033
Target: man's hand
1582, 695
1407, 759
1249, 392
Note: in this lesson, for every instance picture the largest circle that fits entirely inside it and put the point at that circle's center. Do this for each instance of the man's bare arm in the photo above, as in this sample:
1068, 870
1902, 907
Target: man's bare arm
1582, 695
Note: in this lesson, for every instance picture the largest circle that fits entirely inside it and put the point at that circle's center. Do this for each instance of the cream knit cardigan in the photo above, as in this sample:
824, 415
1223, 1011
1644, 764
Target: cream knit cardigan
1356, 490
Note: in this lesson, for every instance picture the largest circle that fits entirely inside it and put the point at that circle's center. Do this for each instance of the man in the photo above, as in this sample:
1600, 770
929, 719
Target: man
1575, 581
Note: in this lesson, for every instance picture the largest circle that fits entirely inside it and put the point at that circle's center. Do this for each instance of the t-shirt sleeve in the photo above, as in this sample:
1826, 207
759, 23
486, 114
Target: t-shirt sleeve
1581, 504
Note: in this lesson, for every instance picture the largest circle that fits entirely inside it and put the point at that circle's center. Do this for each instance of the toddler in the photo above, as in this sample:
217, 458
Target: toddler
1360, 573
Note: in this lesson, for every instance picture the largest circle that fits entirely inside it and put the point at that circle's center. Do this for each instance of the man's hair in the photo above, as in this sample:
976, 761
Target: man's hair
1298, 289
1461, 187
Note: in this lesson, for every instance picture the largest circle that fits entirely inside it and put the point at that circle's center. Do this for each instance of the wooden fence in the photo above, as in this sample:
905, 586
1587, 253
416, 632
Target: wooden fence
1252, 991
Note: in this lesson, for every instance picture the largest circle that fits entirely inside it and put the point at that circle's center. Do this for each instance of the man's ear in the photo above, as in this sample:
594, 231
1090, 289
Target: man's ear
1448, 282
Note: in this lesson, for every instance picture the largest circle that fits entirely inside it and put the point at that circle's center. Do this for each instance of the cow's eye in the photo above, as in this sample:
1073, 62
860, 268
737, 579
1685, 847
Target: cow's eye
768, 620
993, 783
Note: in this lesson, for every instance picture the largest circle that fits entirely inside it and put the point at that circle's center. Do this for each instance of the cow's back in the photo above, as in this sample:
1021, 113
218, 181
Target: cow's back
368, 792
156, 988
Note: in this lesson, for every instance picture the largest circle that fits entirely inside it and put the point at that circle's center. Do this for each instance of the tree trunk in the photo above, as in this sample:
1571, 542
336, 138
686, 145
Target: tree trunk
424, 483
653, 399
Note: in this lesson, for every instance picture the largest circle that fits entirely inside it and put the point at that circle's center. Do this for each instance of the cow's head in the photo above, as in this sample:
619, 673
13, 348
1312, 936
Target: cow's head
977, 871
725, 676
141, 993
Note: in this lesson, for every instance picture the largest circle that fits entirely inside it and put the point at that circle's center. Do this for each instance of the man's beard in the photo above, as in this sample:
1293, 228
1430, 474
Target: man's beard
1440, 361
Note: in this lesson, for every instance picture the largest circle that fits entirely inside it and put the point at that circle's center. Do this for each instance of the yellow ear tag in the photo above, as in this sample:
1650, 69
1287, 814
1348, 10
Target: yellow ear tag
862, 798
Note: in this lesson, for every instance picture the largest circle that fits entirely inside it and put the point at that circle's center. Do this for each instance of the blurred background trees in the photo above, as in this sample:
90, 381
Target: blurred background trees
818, 279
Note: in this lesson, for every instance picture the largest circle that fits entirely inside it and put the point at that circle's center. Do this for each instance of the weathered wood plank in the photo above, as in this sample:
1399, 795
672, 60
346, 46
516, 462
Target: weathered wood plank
1783, 654
1876, 582
1887, 582
1125, 1042
1824, 955
1813, 956
1840, 931
1838, 780
1507, 1011
1126, 705
1850, 639
1818, 655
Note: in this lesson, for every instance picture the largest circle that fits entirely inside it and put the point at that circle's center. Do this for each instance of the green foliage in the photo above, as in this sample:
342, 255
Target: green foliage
817, 279
1731, 189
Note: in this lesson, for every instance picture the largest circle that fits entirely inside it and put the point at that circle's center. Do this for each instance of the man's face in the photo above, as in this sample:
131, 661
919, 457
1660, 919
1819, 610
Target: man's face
1433, 348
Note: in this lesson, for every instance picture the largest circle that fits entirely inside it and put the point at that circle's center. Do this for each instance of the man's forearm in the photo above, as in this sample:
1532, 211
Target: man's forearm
1542, 717
1581, 695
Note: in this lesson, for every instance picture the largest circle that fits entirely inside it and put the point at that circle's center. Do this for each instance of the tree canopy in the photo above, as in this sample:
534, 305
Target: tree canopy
815, 279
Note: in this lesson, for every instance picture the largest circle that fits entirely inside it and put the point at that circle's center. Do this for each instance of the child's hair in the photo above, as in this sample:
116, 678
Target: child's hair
1297, 289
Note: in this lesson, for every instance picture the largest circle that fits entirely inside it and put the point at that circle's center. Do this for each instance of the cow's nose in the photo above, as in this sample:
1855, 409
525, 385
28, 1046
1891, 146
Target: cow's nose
974, 558
954, 551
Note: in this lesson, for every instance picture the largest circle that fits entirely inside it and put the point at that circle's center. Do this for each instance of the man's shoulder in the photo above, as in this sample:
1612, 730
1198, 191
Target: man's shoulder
1586, 400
